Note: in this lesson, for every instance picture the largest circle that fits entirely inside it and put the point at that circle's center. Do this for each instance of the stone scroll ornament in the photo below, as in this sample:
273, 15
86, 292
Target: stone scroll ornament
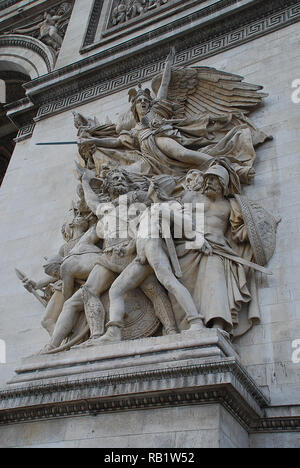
189, 140
49, 28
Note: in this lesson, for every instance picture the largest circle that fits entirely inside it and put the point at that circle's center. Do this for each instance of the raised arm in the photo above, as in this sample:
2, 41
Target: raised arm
90, 196
27, 30
164, 87
107, 142
90, 237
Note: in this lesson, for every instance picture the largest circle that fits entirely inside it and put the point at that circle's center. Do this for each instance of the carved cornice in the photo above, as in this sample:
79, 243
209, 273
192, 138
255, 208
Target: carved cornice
114, 28
7, 3
224, 382
101, 74
118, 68
135, 25
279, 424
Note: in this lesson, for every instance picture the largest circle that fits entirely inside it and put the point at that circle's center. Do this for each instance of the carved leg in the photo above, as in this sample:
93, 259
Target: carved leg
178, 152
66, 320
129, 279
98, 282
53, 311
161, 303
160, 263
68, 286
94, 312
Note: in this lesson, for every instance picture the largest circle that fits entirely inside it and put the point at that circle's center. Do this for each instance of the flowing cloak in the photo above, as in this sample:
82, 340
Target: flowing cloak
223, 288
233, 137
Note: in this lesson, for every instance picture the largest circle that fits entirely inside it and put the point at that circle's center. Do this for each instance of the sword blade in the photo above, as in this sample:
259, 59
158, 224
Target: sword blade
57, 143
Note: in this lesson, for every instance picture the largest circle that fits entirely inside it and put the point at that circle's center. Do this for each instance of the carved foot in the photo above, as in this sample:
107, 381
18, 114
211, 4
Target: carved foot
113, 335
47, 349
87, 344
225, 334
172, 332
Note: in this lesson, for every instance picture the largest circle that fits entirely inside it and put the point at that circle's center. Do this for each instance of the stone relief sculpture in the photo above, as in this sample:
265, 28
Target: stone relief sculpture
49, 28
127, 269
125, 10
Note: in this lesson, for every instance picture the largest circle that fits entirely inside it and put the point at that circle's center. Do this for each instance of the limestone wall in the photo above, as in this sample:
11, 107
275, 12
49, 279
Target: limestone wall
199, 427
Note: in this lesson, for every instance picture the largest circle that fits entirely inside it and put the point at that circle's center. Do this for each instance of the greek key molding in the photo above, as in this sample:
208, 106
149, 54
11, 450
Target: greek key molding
168, 28
202, 50
25, 132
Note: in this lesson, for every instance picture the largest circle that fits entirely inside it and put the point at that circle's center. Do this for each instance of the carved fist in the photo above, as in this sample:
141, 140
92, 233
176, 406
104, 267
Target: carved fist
29, 285
207, 248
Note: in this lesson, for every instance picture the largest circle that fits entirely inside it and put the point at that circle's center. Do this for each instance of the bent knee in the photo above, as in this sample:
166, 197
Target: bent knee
166, 281
116, 291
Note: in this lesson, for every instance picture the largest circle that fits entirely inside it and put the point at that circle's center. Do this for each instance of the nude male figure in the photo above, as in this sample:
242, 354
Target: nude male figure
116, 255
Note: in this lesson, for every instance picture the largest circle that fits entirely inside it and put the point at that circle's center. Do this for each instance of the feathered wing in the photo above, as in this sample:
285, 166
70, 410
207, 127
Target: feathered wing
202, 90
126, 122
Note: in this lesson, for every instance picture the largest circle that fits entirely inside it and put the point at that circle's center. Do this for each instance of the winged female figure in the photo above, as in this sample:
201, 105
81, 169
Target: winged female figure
198, 115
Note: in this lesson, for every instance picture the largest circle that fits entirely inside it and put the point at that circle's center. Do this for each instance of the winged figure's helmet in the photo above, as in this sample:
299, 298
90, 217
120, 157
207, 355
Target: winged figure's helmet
134, 94
222, 174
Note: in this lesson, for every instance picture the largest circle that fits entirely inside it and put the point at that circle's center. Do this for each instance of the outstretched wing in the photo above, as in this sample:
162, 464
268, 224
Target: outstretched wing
201, 90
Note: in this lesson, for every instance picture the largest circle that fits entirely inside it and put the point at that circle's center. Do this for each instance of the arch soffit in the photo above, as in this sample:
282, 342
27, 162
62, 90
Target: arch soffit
25, 54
